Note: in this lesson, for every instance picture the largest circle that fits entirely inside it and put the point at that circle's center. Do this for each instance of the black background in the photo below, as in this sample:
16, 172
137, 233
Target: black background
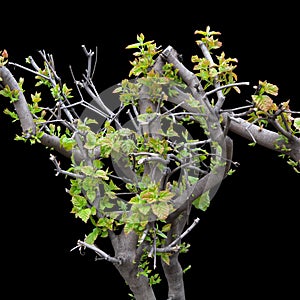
246, 242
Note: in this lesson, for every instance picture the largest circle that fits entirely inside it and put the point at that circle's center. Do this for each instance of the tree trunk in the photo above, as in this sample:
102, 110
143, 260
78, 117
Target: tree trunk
139, 285
125, 249
174, 275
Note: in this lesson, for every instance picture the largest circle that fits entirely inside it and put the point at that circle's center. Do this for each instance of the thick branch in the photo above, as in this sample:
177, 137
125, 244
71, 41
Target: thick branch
20, 105
206, 183
52, 141
264, 137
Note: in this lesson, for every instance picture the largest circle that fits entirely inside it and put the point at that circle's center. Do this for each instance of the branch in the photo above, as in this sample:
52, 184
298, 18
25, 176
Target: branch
89, 55
280, 129
221, 97
30, 70
216, 176
264, 137
173, 247
60, 171
99, 252
21, 106
225, 86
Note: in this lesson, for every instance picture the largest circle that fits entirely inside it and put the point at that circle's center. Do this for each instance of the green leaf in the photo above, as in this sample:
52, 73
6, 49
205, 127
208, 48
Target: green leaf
88, 183
78, 201
230, 172
166, 227
161, 234
165, 257
84, 214
297, 123
91, 194
193, 180
133, 46
165, 195
102, 174
67, 142
91, 238
113, 186
202, 202
91, 121
127, 146
144, 209
91, 141
140, 38
129, 227
271, 89
117, 90
186, 269
97, 163
87, 170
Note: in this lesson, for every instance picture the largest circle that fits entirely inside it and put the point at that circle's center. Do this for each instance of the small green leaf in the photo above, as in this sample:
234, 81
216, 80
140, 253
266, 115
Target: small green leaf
297, 123
133, 46
101, 174
230, 172
91, 141
91, 194
91, 238
252, 144
78, 201
87, 170
166, 227
166, 257
144, 209
186, 269
84, 214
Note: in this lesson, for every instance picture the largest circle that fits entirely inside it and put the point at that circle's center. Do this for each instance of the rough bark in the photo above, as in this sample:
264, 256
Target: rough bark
125, 247
173, 271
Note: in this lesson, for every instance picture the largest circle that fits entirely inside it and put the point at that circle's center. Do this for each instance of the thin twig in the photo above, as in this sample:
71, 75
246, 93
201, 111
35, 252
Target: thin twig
173, 246
60, 171
99, 252
225, 86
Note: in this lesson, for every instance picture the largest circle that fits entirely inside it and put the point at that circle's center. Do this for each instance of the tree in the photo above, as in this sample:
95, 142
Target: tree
144, 154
